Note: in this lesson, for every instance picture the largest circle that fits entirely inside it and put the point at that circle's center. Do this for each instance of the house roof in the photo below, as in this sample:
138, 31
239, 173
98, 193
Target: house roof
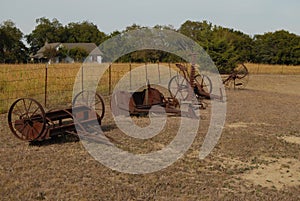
91, 48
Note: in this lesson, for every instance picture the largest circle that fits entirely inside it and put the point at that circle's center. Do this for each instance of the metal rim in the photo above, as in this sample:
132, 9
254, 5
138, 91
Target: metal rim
26, 119
205, 82
241, 71
92, 100
178, 87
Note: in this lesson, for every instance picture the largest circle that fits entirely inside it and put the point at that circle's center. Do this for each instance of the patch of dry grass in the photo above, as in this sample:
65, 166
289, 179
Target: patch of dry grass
257, 119
272, 69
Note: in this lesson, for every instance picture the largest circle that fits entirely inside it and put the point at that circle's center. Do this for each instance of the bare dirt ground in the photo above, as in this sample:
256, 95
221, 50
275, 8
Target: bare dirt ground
256, 158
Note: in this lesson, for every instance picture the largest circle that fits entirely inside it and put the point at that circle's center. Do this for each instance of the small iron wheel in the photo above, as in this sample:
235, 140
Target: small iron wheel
92, 100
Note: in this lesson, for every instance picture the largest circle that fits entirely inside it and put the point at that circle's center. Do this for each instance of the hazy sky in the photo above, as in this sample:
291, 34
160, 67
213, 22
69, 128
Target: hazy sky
251, 16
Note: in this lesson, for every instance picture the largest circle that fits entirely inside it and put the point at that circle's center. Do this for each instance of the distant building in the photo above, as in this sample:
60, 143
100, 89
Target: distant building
94, 53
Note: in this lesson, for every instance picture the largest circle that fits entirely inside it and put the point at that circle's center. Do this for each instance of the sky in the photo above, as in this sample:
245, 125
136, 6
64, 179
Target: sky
251, 16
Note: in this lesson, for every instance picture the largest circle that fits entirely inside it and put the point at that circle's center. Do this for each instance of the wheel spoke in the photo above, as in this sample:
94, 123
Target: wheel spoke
37, 132
17, 113
29, 107
34, 112
96, 103
19, 110
24, 102
29, 133
23, 128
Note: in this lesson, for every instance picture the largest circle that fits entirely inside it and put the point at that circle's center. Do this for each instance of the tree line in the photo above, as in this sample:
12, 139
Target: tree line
226, 47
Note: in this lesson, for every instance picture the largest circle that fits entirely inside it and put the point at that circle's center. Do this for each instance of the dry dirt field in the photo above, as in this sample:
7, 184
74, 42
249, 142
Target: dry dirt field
256, 158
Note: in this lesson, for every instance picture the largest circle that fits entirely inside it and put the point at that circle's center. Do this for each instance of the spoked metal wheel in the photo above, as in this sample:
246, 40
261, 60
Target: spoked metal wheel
204, 82
91, 100
238, 79
26, 119
241, 83
241, 77
179, 87
241, 71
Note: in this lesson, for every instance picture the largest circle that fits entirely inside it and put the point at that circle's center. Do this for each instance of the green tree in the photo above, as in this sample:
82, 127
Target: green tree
84, 32
280, 47
201, 32
228, 48
12, 49
78, 54
225, 46
50, 53
45, 31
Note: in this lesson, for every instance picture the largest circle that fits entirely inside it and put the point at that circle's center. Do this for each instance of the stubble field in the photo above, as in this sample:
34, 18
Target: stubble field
256, 158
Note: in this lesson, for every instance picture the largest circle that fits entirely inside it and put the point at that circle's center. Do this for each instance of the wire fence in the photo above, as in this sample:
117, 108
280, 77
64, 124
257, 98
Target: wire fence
52, 84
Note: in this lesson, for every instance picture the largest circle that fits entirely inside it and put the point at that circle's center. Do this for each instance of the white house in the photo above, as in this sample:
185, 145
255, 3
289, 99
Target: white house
94, 52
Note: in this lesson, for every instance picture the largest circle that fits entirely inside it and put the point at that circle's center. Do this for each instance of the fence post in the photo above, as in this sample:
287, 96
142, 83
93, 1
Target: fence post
146, 70
82, 87
130, 68
46, 83
158, 72
170, 70
109, 79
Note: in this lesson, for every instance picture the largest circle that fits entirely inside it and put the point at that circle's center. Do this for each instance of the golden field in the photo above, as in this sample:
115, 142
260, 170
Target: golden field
272, 69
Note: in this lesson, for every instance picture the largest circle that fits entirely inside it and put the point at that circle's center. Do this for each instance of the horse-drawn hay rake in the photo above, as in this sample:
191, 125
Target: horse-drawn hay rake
28, 120
238, 78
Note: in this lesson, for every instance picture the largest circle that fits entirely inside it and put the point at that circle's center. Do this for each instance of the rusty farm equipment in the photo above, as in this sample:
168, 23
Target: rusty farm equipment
238, 78
28, 120
201, 85
185, 90
143, 101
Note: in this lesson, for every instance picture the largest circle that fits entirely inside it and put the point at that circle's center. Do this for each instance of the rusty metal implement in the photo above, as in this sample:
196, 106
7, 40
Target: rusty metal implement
28, 120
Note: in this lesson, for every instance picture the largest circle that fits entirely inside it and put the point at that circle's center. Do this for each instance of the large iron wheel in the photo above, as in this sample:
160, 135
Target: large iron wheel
241, 71
179, 87
26, 119
241, 77
204, 82
238, 79
92, 100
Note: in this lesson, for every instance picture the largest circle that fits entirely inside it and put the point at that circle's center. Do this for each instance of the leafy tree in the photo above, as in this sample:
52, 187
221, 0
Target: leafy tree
146, 55
225, 46
54, 31
63, 52
228, 48
84, 32
280, 47
12, 49
50, 53
45, 31
200, 32
165, 27
78, 54
133, 27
